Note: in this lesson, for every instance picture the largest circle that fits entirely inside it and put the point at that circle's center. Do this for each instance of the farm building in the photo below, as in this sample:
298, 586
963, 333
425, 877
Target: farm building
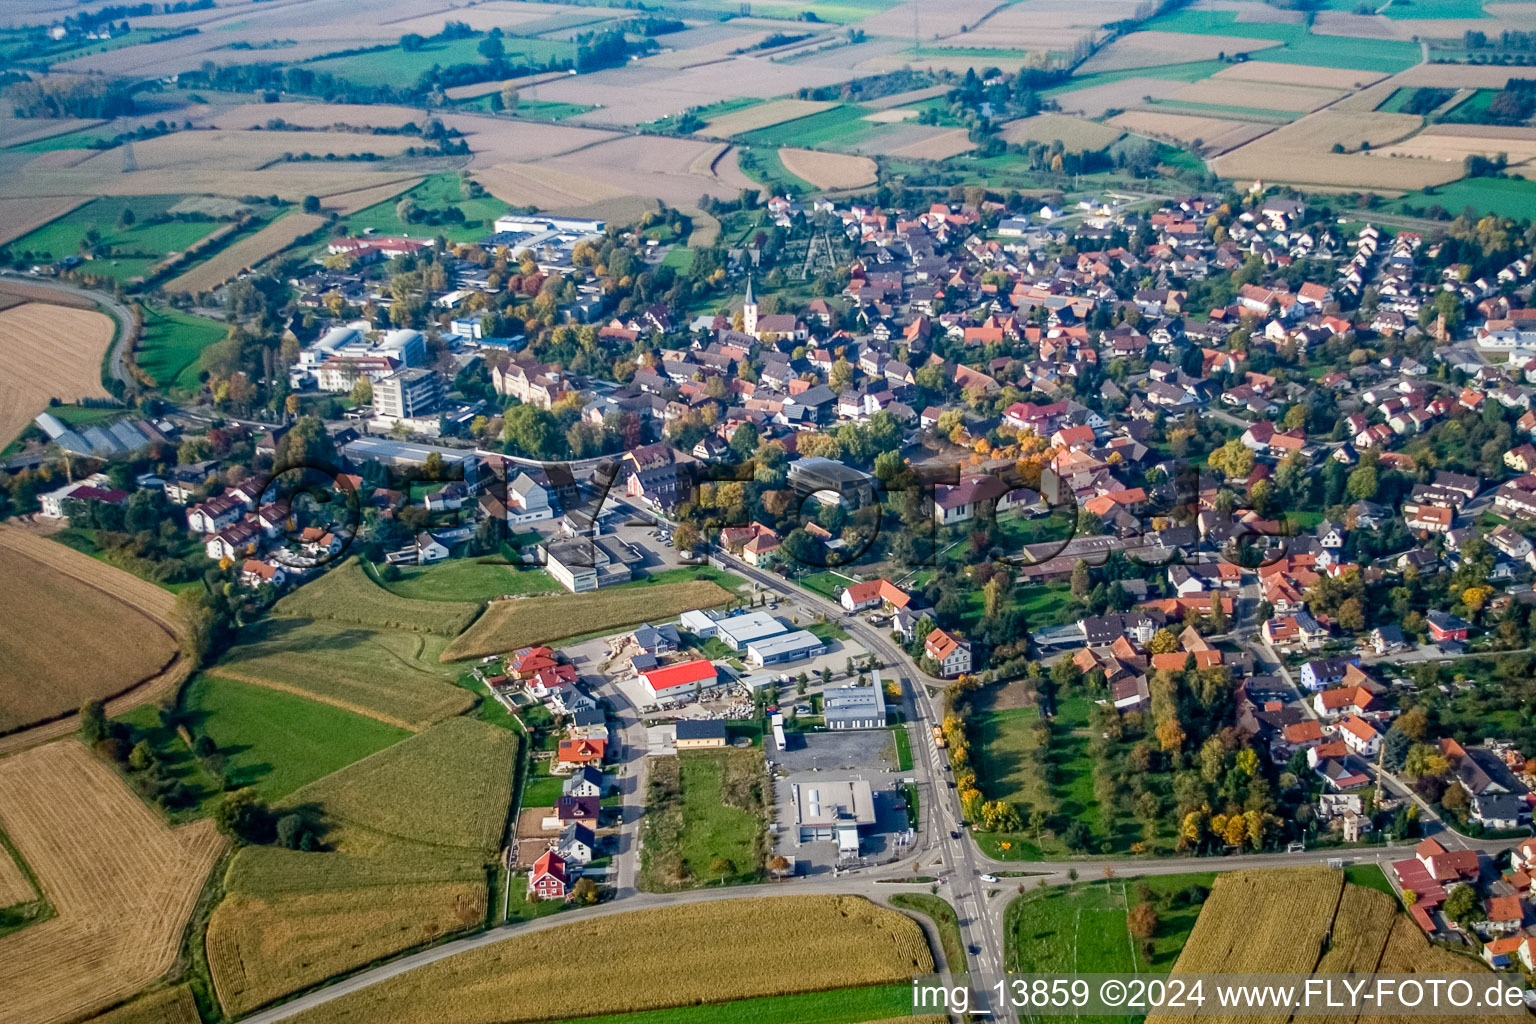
854, 707
676, 681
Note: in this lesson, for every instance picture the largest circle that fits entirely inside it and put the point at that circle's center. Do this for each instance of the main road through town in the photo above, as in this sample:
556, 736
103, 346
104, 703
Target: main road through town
944, 852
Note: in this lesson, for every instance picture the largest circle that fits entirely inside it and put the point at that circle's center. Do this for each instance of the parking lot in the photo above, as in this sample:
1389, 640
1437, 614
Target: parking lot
868, 754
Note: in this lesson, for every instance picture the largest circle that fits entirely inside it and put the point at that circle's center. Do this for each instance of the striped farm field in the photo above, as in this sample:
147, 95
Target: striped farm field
1256, 95
245, 254
50, 351
348, 594
1214, 135
122, 884
409, 831
763, 115
40, 678
385, 674
1306, 921
508, 625
168, 1006
1300, 74
714, 956
828, 170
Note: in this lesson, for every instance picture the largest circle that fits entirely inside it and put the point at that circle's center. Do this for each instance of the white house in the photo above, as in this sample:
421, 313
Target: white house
1360, 736
528, 501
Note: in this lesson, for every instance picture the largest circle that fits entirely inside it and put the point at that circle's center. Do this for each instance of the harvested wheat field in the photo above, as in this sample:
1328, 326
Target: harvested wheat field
508, 625
824, 942
497, 140
50, 352
246, 253
675, 171
956, 63
20, 216
1458, 141
41, 678
828, 170
1075, 134
543, 187
122, 884
1150, 49
1299, 74
1097, 100
290, 181
1213, 134
316, 115
891, 115
1458, 76
1319, 132
347, 203
23, 291
14, 887
1255, 95
1270, 160
168, 1006
1307, 921
940, 146
243, 151
764, 115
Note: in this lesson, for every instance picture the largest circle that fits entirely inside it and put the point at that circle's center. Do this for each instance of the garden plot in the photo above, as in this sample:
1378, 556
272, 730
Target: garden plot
1155, 48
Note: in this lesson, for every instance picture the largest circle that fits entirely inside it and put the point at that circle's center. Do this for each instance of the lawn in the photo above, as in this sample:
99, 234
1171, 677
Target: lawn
1369, 876
1427, 9
826, 583
679, 258
400, 68
705, 819
1006, 771
542, 789
277, 742
1299, 44
142, 245
1082, 928
176, 760
1508, 197
351, 593
170, 344
903, 748
840, 1006
530, 110
466, 580
438, 192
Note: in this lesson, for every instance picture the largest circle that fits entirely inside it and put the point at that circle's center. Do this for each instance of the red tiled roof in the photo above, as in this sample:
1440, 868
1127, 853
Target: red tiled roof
686, 674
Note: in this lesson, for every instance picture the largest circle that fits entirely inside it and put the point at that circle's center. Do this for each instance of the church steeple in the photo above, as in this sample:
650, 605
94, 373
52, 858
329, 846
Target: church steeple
749, 311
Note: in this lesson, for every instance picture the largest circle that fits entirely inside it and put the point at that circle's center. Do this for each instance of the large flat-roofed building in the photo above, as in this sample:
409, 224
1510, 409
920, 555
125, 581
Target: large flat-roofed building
408, 455
793, 646
737, 631
833, 810
854, 707
583, 564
